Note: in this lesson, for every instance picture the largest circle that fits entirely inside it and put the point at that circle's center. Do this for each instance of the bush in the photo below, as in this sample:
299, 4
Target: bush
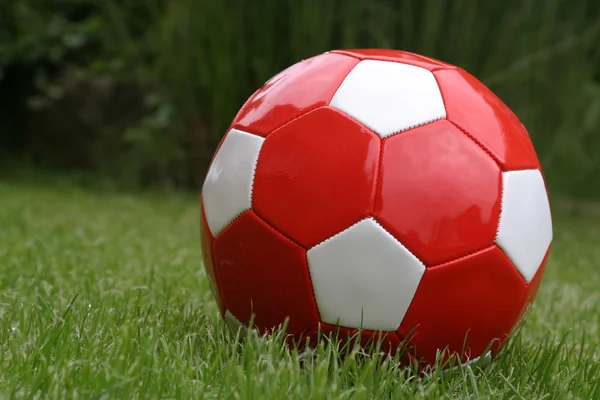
142, 90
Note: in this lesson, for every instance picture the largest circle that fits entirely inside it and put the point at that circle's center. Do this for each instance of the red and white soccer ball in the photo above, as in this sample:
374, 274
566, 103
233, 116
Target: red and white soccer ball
377, 190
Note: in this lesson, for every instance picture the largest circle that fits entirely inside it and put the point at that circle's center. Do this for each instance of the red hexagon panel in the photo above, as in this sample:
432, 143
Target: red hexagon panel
532, 289
207, 257
527, 302
262, 273
300, 88
439, 192
482, 115
400, 56
316, 176
467, 304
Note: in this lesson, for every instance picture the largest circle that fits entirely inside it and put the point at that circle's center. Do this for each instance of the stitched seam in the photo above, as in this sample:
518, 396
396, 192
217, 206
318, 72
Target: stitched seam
378, 58
345, 53
472, 138
265, 135
351, 118
509, 258
407, 249
462, 129
513, 262
413, 127
481, 250
500, 219
330, 238
308, 264
459, 127
414, 255
478, 143
389, 232
248, 130
270, 225
312, 286
238, 216
502, 185
254, 174
251, 193
443, 68
441, 93
290, 240
498, 161
515, 319
345, 76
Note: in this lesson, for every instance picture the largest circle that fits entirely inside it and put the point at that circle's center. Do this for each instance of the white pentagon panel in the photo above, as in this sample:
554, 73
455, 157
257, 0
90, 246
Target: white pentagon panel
227, 189
525, 229
364, 278
389, 97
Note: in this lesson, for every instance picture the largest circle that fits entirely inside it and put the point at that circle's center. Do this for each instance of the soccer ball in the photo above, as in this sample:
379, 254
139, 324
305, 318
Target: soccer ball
378, 193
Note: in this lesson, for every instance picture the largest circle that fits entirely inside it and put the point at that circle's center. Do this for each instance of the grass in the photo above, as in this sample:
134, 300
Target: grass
103, 296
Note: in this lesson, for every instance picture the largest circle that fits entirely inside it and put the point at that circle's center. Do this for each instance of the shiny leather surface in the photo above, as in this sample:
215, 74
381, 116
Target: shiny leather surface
480, 113
395, 56
476, 297
316, 176
262, 272
439, 193
435, 188
532, 290
300, 88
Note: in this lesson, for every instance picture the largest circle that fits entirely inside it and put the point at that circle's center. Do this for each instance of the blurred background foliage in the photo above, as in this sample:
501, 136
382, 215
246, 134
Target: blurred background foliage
140, 91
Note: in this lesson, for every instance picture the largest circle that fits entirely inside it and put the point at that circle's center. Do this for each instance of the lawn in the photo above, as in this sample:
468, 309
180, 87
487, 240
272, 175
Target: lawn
104, 296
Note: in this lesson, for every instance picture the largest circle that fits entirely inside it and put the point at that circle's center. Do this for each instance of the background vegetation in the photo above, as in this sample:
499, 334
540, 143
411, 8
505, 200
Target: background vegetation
103, 295
140, 91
